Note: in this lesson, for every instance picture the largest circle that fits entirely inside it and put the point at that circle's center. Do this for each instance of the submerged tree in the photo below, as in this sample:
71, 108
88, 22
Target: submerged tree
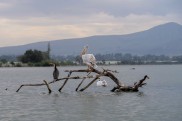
95, 73
120, 86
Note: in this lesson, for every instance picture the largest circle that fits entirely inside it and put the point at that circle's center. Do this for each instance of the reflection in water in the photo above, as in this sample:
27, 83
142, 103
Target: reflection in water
140, 94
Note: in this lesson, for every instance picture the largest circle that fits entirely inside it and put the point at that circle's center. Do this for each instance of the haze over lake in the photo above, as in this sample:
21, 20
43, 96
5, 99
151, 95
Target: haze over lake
162, 39
159, 100
37, 32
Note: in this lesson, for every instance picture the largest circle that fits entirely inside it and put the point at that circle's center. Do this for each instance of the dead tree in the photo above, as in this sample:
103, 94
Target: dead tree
51, 82
99, 74
133, 88
107, 73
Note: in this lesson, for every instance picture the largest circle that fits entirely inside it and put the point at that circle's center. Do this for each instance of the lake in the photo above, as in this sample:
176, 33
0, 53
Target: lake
159, 100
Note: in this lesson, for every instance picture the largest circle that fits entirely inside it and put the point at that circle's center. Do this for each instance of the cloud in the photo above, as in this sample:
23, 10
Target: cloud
46, 28
27, 21
4, 6
61, 8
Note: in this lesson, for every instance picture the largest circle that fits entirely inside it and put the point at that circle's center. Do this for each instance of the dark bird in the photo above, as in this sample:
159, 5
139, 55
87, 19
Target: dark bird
55, 72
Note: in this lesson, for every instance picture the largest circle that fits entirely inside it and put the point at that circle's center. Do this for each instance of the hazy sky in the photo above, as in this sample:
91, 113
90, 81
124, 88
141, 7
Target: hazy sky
27, 21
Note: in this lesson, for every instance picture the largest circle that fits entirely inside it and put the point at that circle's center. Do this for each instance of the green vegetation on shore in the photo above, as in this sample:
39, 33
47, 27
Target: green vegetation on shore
36, 58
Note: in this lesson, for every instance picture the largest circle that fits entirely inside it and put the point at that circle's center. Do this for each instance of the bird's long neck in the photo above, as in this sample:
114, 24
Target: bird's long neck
84, 51
55, 67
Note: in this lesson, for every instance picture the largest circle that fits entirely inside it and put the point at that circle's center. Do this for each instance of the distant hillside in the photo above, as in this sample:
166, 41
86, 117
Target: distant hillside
163, 39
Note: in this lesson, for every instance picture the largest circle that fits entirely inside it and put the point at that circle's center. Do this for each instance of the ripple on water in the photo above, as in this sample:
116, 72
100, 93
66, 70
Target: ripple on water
158, 101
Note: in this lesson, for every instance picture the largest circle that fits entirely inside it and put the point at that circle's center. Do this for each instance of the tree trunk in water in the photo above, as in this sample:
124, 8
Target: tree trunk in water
105, 72
49, 89
65, 82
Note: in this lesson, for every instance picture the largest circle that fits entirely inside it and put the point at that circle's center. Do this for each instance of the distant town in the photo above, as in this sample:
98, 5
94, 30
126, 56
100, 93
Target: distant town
36, 58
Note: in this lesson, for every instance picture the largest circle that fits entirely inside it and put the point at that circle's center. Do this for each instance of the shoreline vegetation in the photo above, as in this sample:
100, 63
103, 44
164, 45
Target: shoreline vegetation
38, 65
46, 63
36, 58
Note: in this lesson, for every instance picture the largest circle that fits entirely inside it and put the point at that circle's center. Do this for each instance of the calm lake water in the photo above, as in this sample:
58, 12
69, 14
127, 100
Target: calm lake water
159, 100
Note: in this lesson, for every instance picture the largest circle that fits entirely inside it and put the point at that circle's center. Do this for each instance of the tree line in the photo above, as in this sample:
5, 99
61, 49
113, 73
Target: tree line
41, 58
127, 58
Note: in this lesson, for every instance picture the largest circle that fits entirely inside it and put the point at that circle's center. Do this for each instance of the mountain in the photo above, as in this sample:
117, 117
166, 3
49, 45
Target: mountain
163, 39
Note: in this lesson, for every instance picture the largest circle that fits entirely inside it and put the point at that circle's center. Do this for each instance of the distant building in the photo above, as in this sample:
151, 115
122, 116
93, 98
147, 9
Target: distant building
108, 62
48, 50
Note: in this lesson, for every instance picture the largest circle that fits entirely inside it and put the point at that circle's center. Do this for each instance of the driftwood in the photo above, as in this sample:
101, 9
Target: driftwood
105, 72
102, 73
65, 82
108, 73
43, 84
133, 88
82, 82
49, 89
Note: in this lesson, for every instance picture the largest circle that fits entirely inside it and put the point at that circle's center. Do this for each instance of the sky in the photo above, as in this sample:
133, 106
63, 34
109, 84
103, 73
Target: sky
29, 21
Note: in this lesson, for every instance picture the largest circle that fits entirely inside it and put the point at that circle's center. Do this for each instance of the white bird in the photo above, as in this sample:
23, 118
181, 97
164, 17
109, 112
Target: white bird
101, 83
88, 59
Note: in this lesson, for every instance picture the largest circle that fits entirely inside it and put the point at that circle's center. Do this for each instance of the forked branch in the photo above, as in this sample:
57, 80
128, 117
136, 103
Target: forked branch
105, 72
42, 84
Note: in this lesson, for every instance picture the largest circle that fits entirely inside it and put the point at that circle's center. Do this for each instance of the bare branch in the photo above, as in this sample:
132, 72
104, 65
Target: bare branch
82, 82
97, 77
41, 84
49, 89
105, 72
65, 82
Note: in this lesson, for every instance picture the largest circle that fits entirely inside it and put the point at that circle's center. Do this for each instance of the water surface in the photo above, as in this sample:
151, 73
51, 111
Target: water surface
159, 100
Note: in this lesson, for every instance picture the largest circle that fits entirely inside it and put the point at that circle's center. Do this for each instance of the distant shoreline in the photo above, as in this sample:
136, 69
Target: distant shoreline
9, 66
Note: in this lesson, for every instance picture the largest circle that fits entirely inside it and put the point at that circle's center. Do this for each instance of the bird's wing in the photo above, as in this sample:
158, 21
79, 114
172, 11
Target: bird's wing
92, 59
86, 59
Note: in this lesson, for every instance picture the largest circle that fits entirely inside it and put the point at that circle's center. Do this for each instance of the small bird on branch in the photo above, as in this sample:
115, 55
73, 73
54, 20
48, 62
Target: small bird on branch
55, 72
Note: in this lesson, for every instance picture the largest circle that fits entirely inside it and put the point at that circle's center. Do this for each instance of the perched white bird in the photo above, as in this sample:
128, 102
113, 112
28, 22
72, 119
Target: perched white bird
88, 59
102, 83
